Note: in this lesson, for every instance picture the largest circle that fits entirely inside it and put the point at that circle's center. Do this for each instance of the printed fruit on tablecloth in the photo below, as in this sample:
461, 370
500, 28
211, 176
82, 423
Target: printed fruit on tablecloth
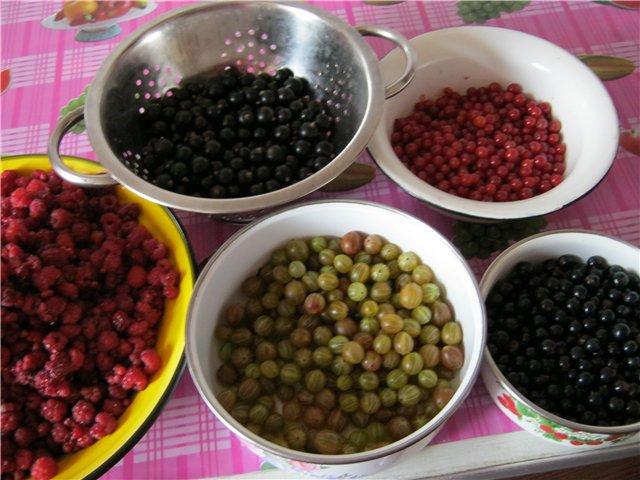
81, 12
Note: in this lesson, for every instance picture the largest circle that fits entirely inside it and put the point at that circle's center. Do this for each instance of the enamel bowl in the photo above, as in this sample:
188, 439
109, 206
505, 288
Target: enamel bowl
466, 57
250, 248
518, 408
146, 405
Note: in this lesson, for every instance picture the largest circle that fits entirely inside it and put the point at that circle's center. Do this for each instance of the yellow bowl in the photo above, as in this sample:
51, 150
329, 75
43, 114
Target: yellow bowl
147, 404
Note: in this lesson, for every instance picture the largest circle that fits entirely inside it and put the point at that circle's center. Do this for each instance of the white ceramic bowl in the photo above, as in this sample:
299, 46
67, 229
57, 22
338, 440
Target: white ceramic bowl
250, 248
519, 409
466, 57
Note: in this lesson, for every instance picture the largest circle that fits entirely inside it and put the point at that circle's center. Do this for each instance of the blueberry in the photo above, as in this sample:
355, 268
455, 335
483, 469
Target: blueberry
236, 163
227, 135
323, 122
597, 261
245, 177
256, 189
226, 175
163, 181
615, 404
620, 331
275, 153
179, 170
272, 185
217, 191
268, 97
246, 118
265, 115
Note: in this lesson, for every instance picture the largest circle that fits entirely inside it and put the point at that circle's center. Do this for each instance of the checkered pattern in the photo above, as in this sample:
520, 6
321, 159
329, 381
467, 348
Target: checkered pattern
32, 70
18, 11
49, 68
84, 62
29, 138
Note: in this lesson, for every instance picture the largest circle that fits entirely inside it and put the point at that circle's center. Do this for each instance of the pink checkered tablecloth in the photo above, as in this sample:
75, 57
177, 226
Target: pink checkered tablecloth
47, 68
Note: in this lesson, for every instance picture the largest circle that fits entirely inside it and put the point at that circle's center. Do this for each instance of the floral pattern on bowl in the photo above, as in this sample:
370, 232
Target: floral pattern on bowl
552, 430
532, 421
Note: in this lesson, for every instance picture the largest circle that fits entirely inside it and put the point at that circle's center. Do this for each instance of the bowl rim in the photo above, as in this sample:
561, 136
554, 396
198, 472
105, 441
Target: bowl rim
357, 143
502, 380
425, 192
340, 459
135, 437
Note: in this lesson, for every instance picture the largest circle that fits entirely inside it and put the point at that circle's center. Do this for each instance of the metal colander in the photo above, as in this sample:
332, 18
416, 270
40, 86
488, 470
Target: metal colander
202, 40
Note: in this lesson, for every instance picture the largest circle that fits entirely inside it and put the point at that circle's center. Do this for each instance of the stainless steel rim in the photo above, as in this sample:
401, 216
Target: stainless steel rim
504, 383
248, 436
237, 205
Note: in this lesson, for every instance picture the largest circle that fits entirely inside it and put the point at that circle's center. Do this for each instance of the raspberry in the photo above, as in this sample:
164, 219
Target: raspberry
106, 420
8, 465
83, 412
78, 305
54, 342
134, 379
53, 410
44, 468
110, 222
32, 361
8, 181
5, 355
24, 436
60, 433
24, 459
108, 203
53, 255
9, 419
116, 391
129, 211
77, 359
107, 340
137, 328
37, 187
125, 302
15, 231
70, 331
113, 406
120, 321
46, 278
72, 313
124, 349
58, 365
151, 361
92, 394
81, 231
20, 198
136, 277
104, 362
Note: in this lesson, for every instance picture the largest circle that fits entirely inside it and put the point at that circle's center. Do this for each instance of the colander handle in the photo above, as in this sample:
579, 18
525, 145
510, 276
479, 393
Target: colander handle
80, 179
409, 53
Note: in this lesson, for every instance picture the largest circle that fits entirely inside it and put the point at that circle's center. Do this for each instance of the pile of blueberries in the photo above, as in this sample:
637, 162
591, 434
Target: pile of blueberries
235, 135
566, 335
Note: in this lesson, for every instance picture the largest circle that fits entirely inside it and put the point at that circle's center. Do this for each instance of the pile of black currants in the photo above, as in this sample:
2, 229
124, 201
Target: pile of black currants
235, 135
566, 334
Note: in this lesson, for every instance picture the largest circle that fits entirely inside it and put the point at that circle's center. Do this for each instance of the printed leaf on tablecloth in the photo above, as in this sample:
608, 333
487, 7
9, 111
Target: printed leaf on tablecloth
630, 141
5, 79
72, 105
355, 176
607, 67
472, 11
